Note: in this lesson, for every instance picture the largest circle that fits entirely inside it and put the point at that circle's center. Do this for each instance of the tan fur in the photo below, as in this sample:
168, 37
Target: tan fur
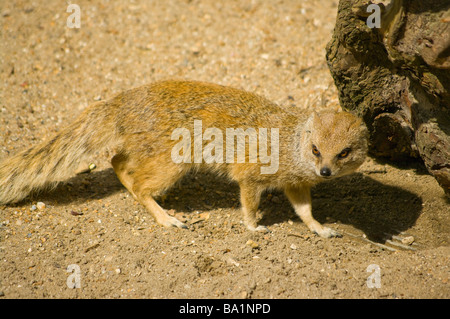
139, 124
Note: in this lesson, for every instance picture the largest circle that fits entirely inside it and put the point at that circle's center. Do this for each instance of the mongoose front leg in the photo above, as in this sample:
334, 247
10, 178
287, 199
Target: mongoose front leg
300, 198
250, 197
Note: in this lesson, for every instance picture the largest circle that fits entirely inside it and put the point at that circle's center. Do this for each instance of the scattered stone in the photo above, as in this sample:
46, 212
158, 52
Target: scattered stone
408, 240
252, 244
200, 218
232, 262
171, 212
40, 205
293, 247
181, 217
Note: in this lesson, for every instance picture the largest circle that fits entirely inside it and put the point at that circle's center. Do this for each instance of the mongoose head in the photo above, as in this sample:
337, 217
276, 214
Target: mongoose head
335, 143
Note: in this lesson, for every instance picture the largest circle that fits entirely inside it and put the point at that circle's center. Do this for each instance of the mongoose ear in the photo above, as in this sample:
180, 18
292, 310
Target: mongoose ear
354, 121
364, 129
359, 124
310, 122
315, 116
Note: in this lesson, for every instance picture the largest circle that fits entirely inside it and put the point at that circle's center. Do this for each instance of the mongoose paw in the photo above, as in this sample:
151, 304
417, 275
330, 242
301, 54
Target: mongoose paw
326, 232
173, 222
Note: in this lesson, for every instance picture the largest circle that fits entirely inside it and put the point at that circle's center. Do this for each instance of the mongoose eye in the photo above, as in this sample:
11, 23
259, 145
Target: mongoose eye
344, 153
315, 151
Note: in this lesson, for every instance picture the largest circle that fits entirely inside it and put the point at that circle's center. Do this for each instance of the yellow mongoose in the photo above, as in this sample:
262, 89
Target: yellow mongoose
162, 130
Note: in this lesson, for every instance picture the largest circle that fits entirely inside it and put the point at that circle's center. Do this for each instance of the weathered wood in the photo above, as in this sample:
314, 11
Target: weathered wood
397, 78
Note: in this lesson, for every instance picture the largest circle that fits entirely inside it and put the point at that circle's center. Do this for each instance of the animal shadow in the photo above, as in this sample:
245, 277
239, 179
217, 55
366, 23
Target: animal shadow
366, 204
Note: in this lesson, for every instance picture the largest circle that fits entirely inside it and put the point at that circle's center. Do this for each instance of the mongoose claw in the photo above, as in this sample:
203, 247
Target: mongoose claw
174, 222
184, 226
326, 232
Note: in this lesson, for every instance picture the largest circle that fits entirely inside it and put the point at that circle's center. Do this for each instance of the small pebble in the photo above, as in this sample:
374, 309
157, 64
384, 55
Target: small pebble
233, 262
408, 240
33, 208
252, 244
40, 206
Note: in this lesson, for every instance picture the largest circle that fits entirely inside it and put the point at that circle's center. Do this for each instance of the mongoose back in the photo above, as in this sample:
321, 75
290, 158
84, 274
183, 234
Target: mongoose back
162, 130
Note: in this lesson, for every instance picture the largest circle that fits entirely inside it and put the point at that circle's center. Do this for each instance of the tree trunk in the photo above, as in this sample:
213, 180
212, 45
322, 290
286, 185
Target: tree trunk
397, 77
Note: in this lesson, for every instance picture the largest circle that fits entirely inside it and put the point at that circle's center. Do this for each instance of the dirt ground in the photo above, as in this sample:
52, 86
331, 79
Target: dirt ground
50, 72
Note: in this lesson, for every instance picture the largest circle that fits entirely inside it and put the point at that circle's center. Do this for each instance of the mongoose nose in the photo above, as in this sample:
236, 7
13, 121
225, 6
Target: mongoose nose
325, 171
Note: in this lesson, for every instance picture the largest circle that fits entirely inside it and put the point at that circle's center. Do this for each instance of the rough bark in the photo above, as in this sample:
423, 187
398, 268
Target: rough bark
397, 78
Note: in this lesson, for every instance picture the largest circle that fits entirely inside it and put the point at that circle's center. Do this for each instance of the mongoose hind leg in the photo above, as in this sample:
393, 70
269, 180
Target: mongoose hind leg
119, 163
250, 198
145, 179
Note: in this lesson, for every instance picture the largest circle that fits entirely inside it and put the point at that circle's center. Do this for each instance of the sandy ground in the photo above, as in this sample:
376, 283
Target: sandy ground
50, 72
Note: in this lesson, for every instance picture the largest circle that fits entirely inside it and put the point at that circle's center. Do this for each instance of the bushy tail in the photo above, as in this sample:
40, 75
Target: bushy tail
50, 162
